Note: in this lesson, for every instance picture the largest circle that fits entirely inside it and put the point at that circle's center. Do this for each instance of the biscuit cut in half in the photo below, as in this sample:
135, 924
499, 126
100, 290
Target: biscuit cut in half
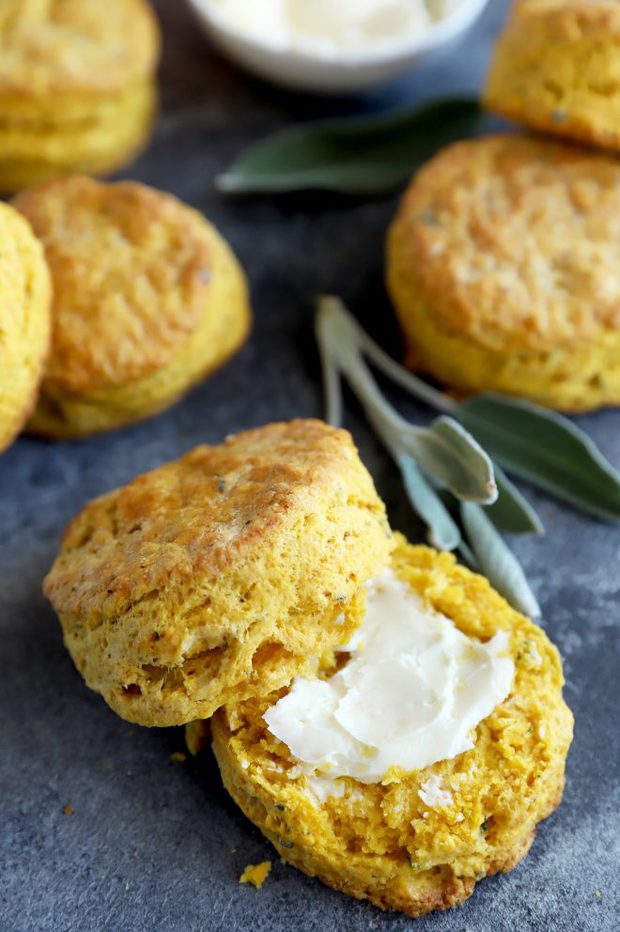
556, 68
222, 575
502, 264
77, 87
148, 300
25, 321
384, 841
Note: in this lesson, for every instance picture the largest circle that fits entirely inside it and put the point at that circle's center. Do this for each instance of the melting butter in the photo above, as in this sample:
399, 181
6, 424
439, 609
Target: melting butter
411, 693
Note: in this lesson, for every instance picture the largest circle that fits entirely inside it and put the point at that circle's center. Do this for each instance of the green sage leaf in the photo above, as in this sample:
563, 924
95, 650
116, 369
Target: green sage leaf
546, 449
354, 155
444, 450
512, 512
473, 458
443, 531
496, 561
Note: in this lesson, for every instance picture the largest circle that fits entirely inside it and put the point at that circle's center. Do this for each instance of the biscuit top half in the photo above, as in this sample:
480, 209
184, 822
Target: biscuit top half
131, 268
221, 575
515, 242
76, 47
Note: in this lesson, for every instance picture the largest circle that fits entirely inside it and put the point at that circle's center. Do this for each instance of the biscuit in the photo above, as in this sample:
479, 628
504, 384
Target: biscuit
148, 300
25, 321
556, 68
35, 152
77, 91
382, 841
221, 575
502, 266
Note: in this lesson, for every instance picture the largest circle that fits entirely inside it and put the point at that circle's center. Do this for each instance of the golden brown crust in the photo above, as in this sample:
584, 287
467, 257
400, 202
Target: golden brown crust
382, 842
486, 224
25, 321
220, 575
65, 47
148, 300
489, 294
131, 277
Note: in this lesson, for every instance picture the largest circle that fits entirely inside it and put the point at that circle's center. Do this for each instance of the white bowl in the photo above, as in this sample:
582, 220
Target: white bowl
337, 72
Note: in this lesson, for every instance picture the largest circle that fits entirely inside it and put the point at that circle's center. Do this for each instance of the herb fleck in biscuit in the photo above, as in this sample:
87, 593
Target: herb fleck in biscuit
222, 575
556, 68
148, 300
25, 297
77, 91
390, 842
503, 267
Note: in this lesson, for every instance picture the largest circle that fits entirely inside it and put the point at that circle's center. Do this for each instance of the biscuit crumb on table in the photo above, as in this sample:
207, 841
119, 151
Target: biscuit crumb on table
256, 874
178, 757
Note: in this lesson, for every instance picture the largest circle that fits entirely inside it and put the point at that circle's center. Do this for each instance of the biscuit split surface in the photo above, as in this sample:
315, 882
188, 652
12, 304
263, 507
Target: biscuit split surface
502, 265
148, 300
382, 841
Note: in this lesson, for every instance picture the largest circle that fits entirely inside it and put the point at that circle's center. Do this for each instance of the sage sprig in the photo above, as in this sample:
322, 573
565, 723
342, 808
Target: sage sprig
535, 444
442, 456
354, 155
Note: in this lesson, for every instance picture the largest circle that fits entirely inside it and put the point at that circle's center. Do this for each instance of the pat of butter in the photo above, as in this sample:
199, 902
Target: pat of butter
410, 695
331, 25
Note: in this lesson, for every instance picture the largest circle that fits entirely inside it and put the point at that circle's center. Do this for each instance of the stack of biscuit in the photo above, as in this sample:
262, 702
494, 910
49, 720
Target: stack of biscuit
77, 86
198, 593
502, 262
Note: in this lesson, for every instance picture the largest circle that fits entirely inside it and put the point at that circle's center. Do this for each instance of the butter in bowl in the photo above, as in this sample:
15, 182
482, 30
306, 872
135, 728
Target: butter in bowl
332, 48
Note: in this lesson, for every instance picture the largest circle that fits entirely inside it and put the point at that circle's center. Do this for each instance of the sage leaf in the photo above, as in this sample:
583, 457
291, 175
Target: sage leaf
496, 561
444, 450
443, 531
352, 155
512, 512
546, 449
470, 454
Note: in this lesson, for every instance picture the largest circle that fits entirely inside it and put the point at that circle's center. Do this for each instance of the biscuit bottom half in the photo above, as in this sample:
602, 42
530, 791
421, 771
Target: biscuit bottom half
382, 841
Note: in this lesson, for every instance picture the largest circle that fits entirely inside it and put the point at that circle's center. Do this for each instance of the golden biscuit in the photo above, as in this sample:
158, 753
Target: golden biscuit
557, 68
383, 842
77, 91
25, 321
31, 152
502, 265
222, 575
148, 300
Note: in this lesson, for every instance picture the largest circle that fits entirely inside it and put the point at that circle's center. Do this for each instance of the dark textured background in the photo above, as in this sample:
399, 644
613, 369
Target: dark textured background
156, 845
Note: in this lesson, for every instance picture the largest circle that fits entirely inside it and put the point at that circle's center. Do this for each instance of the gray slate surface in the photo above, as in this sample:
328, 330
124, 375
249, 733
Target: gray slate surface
156, 845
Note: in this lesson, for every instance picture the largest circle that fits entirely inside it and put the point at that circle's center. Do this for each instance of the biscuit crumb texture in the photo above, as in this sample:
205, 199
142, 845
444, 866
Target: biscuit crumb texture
555, 68
256, 874
25, 293
384, 842
148, 300
221, 575
502, 266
